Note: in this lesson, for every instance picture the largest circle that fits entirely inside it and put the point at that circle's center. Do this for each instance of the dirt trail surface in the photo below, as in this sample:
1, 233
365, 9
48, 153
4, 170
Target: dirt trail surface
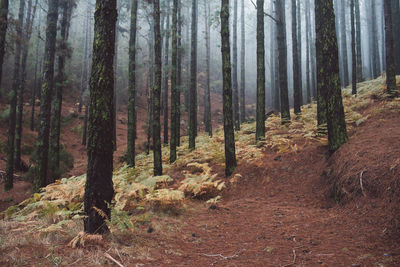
277, 217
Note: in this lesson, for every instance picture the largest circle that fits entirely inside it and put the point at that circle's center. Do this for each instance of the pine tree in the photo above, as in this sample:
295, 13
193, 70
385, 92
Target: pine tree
193, 80
13, 99
243, 66
235, 85
166, 74
328, 73
297, 94
61, 79
396, 33
99, 185
3, 31
390, 63
260, 112
179, 76
26, 36
207, 93
157, 91
131, 150
174, 86
35, 83
343, 40
283, 81
41, 178
353, 49
358, 42
308, 54
229, 134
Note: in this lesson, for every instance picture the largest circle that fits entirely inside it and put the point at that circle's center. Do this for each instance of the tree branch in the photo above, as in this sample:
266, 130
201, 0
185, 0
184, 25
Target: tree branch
266, 14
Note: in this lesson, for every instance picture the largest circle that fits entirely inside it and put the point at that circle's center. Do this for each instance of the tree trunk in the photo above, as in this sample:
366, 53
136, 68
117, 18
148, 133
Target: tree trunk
84, 74
260, 112
229, 134
396, 33
26, 36
179, 76
390, 63
328, 73
35, 83
174, 86
193, 80
131, 151
45, 103
99, 185
283, 81
157, 91
297, 94
8, 183
299, 49
243, 67
308, 61
353, 49
374, 48
3, 31
207, 94
166, 74
358, 42
61, 80
343, 39
235, 88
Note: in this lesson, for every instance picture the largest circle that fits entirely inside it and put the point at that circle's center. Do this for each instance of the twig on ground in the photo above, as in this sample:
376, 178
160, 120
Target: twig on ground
224, 257
108, 256
361, 184
294, 260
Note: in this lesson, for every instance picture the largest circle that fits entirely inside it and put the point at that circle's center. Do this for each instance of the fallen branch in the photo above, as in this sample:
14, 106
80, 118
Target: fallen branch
108, 256
224, 257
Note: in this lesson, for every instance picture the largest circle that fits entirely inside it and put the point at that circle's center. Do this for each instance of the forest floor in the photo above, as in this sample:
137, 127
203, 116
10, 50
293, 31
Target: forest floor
289, 203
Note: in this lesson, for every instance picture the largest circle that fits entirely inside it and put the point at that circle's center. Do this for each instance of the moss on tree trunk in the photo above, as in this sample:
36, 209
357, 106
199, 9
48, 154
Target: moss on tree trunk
99, 185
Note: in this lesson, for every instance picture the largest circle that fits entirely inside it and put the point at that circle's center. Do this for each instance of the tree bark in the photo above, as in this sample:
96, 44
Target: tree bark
260, 112
9, 179
283, 81
35, 83
308, 61
229, 134
166, 74
343, 39
396, 33
61, 79
390, 63
358, 42
328, 73
45, 103
174, 86
297, 94
243, 66
353, 49
99, 185
193, 80
374, 49
207, 93
3, 31
179, 76
26, 36
235, 88
131, 149
157, 91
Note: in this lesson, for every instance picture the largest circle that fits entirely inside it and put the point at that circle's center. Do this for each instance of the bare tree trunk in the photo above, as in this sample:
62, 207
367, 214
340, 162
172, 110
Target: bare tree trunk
235, 88
229, 134
157, 91
9, 179
297, 94
207, 94
166, 74
260, 112
390, 63
3, 31
193, 80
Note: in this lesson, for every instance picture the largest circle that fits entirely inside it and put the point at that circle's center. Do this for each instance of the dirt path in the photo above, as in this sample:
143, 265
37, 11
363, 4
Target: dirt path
277, 216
